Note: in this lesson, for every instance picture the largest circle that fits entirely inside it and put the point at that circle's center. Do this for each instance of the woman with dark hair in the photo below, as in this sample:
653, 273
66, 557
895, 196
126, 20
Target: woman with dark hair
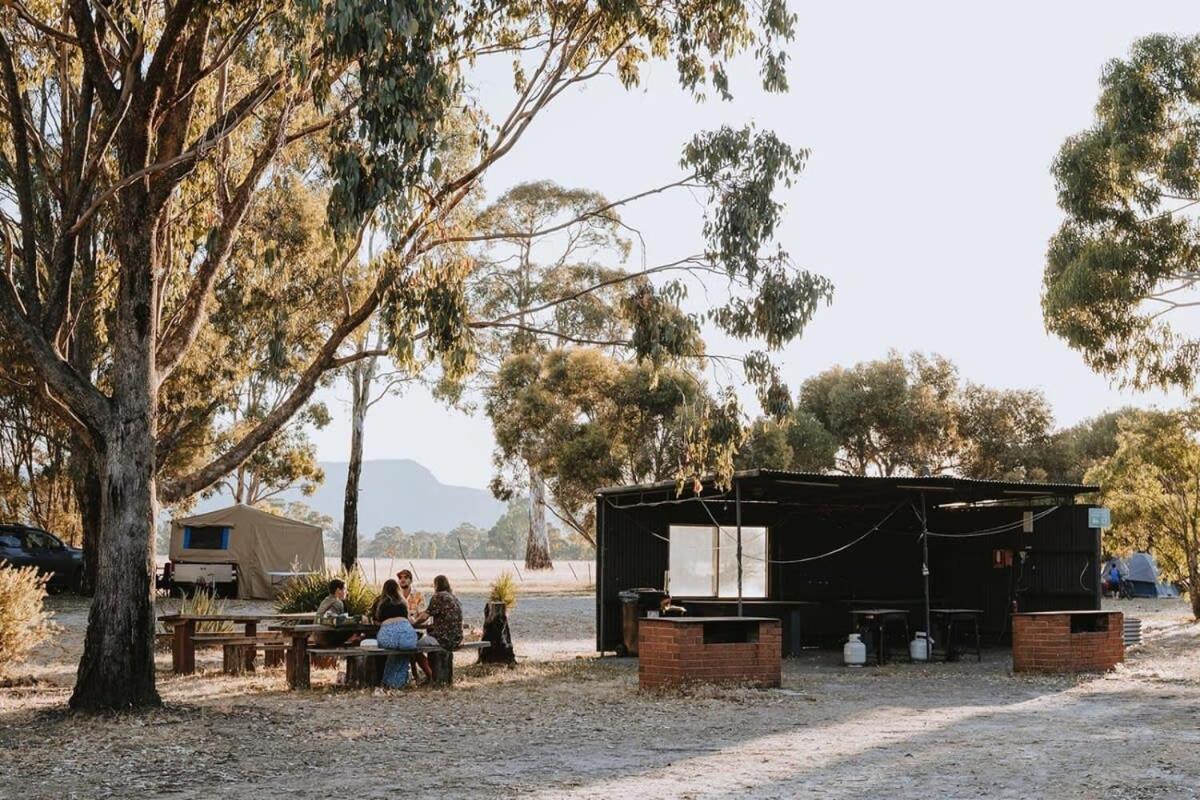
390, 594
443, 616
395, 633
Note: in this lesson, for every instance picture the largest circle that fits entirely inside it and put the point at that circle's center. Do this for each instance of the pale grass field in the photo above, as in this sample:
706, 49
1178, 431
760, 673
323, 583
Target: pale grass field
564, 724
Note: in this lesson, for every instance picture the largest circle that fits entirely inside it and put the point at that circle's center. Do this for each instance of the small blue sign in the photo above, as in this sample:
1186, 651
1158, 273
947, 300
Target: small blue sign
1099, 518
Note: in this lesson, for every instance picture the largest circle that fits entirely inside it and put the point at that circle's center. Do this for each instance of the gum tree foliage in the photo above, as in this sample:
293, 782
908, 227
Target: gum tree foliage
1125, 263
519, 278
133, 132
1152, 485
907, 416
584, 420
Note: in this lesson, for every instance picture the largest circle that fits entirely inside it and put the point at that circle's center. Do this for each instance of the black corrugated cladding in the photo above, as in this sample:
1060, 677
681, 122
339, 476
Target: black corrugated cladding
1054, 567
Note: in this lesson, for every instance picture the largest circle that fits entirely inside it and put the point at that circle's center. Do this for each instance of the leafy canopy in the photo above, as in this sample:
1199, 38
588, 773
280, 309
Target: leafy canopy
1128, 253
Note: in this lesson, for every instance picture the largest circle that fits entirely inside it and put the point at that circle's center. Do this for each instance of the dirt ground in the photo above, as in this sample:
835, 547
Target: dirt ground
564, 724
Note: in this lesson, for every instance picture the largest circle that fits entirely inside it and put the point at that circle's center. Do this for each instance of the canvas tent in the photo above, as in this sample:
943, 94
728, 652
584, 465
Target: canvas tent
1142, 575
256, 541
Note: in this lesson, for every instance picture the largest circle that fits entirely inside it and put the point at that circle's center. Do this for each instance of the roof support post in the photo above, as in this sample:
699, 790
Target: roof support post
925, 574
737, 507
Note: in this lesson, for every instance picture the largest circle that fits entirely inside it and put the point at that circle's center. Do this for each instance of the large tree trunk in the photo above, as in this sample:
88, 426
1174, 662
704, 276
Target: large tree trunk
537, 546
353, 475
85, 479
361, 376
1193, 562
117, 668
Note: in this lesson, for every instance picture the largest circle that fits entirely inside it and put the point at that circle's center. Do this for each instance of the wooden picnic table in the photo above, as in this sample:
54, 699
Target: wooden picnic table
183, 630
297, 654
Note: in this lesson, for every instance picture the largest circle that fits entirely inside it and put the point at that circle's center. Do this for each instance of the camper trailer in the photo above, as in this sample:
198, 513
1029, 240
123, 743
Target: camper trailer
240, 551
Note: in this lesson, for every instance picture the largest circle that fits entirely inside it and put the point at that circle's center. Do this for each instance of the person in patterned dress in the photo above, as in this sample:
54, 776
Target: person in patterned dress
443, 616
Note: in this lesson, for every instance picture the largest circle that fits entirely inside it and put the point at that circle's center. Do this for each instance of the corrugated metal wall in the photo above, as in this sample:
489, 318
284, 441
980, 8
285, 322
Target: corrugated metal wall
1058, 569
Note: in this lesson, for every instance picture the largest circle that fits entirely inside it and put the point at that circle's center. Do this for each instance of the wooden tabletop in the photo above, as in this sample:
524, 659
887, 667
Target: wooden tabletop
314, 628
216, 617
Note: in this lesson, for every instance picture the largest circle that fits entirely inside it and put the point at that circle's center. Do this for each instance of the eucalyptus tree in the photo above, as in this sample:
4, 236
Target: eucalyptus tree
1124, 266
522, 276
913, 415
583, 419
1152, 484
134, 132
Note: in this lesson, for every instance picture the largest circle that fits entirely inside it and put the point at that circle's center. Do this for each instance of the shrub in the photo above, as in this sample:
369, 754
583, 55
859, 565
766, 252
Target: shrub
204, 600
24, 621
305, 592
504, 590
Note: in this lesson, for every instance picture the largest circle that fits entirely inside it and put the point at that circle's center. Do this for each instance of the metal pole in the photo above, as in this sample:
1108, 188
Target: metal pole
925, 573
737, 506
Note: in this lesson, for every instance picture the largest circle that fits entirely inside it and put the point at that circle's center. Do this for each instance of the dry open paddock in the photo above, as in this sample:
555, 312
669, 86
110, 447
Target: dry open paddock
565, 724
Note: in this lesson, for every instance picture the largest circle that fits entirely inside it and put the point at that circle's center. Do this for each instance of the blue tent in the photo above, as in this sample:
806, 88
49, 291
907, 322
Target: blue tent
1142, 575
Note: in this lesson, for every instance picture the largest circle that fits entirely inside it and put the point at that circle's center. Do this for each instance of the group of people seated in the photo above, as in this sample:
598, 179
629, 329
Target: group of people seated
404, 619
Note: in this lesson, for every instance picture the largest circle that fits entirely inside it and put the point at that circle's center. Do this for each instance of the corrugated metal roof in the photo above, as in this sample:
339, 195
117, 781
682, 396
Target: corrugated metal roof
977, 489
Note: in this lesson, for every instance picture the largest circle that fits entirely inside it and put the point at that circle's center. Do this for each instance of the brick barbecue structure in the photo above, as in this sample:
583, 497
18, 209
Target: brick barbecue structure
673, 651
1068, 641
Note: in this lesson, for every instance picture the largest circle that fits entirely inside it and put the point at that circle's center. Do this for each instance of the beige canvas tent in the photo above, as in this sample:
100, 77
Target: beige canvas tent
256, 541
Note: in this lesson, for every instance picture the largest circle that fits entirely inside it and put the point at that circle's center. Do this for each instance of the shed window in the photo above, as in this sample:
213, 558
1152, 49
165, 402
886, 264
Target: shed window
209, 537
703, 561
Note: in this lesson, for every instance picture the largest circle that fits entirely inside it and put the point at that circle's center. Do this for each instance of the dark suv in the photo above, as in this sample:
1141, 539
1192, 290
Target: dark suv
22, 546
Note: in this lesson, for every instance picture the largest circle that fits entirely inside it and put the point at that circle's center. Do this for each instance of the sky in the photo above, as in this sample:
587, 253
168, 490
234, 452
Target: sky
927, 198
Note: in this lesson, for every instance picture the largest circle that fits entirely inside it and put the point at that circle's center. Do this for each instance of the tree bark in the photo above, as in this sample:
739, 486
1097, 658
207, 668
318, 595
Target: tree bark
85, 479
353, 474
361, 376
1193, 562
537, 546
117, 667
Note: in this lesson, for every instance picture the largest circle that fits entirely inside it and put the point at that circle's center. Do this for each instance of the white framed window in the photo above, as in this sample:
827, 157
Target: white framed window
703, 561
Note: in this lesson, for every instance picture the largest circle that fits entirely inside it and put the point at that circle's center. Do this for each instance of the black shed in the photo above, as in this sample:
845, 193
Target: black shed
816, 546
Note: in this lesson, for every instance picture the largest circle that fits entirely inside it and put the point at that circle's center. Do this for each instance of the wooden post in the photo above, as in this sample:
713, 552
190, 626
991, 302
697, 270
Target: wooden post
252, 651
297, 662
357, 676
274, 656
183, 647
235, 662
441, 662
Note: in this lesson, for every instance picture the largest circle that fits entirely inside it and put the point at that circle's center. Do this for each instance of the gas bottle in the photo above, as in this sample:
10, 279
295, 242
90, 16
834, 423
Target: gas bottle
918, 648
854, 652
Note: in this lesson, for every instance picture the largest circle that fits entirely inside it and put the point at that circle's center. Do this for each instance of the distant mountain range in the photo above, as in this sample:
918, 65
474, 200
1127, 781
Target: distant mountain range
393, 492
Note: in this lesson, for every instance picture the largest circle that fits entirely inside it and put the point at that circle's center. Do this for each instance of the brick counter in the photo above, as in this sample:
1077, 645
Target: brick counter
677, 650
1068, 641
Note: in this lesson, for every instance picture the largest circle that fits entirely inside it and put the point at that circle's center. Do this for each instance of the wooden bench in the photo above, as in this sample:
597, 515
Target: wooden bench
441, 661
240, 651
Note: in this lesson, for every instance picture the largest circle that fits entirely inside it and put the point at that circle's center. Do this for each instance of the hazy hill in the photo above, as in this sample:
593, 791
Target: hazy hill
395, 492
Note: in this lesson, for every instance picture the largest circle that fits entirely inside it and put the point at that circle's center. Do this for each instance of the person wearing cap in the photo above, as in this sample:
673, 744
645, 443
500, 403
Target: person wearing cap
412, 598
416, 604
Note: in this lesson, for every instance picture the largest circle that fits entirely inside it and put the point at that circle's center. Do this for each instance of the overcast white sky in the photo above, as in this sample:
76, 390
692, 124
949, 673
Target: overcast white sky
927, 199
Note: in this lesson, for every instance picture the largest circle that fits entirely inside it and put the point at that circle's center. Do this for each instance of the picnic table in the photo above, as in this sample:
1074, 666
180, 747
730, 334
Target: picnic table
183, 634
297, 654
301, 651
947, 617
878, 619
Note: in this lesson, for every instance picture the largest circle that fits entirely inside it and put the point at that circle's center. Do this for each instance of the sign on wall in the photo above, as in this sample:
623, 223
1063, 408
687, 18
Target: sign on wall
1099, 518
